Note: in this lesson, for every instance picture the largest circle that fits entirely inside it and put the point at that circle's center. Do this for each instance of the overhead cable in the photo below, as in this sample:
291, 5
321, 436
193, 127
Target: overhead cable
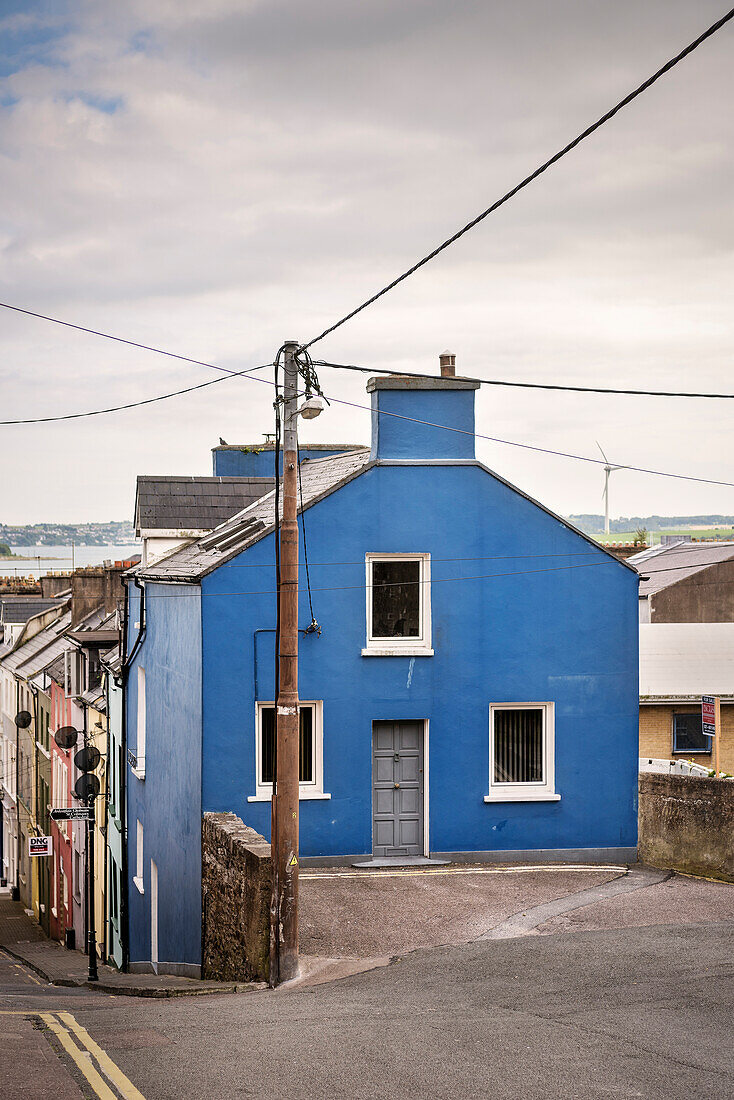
530, 385
131, 404
529, 179
341, 401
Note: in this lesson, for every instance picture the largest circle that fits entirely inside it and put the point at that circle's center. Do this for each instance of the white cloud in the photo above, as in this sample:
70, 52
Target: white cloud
216, 178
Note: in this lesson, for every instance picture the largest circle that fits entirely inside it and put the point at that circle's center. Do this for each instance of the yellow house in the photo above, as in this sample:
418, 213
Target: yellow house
680, 662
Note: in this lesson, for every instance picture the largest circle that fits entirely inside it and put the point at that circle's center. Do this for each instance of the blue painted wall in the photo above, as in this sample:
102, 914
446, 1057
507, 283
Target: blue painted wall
168, 800
417, 438
253, 462
516, 624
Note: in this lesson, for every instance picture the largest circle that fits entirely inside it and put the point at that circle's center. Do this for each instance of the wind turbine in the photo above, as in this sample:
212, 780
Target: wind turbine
608, 469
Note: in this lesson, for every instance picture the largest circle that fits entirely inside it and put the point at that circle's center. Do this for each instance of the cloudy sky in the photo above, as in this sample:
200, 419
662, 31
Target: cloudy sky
216, 177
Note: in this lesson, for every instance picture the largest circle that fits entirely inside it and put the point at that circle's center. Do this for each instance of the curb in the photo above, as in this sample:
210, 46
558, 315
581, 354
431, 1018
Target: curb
127, 991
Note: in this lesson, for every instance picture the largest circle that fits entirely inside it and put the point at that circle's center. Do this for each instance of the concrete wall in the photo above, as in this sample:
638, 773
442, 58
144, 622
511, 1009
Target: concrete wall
167, 802
706, 597
236, 886
656, 735
687, 824
514, 620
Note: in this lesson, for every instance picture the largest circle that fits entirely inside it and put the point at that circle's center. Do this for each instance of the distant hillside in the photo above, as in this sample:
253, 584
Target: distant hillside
113, 533
594, 525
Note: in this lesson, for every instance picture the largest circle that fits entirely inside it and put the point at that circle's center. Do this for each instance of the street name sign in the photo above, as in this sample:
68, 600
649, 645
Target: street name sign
73, 813
708, 715
40, 846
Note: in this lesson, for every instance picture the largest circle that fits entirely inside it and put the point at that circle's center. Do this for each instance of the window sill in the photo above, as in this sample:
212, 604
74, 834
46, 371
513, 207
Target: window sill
303, 796
139, 773
524, 796
139, 883
691, 752
397, 651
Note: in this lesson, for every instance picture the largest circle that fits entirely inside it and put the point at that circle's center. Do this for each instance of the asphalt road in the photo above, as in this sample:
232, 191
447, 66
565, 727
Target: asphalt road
636, 1012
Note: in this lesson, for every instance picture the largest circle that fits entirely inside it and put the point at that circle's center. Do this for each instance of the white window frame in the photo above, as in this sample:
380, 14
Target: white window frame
401, 647
306, 791
139, 865
140, 728
526, 792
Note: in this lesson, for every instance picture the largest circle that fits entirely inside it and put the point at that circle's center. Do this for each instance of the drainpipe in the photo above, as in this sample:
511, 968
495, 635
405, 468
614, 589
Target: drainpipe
16, 889
106, 892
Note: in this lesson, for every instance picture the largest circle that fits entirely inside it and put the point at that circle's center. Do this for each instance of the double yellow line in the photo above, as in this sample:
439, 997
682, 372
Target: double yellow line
82, 1049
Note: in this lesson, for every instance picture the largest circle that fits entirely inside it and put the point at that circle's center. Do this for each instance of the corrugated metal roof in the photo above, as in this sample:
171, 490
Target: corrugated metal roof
193, 503
665, 565
686, 660
319, 478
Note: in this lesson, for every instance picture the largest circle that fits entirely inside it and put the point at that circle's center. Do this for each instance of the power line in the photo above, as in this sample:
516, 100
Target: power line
338, 401
529, 179
533, 447
609, 560
131, 404
530, 385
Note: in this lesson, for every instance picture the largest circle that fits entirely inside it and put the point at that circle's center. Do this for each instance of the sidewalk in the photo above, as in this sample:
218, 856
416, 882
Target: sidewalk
22, 938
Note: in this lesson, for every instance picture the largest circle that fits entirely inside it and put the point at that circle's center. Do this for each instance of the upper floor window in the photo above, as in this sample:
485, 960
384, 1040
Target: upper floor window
688, 734
521, 753
398, 605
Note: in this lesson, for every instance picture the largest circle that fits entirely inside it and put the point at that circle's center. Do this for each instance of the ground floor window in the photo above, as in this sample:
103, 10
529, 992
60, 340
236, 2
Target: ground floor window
688, 734
310, 750
521, 752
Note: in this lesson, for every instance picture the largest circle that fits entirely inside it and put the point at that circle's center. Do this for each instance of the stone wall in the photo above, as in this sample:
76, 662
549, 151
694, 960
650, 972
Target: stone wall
236, 880
687, 824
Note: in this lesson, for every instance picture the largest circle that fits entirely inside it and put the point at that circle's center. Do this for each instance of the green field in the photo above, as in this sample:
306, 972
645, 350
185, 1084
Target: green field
726, 533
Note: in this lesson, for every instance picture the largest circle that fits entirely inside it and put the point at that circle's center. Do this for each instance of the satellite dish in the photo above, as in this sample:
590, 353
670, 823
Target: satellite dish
87, 758
65, 737
23, 719
86, 787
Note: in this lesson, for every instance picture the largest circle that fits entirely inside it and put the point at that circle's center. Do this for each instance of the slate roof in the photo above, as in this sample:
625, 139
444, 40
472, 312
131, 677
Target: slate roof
668, 564
193, 503
34, 655
319, 478
19, 609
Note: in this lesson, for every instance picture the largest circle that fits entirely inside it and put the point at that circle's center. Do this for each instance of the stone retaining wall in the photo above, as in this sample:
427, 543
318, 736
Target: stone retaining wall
236, 881
687, 824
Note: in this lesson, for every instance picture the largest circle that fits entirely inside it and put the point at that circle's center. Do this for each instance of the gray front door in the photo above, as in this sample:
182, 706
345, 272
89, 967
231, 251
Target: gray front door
397, 789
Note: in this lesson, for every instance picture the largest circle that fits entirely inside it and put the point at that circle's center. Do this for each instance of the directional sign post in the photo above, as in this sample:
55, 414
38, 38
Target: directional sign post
73, 813
711, 723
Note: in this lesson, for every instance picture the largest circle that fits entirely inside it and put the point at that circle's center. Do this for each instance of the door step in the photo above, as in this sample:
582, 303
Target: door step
401, 861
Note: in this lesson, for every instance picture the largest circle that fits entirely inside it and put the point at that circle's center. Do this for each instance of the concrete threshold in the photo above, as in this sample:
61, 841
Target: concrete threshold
400, 861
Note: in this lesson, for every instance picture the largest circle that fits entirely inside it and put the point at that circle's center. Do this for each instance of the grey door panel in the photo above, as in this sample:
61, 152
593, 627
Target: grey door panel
397, 789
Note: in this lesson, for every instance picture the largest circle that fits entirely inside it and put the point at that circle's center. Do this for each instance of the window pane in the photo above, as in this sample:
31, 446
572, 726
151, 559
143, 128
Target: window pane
688, 735
267, 750
518, 746
267, 718
396, 599
305, 774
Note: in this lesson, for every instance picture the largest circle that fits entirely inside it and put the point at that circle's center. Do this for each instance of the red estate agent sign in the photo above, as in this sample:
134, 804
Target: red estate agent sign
708, 715
40, 846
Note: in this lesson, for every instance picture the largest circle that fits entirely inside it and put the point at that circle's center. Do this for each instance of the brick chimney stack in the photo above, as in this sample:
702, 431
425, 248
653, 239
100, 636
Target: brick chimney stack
447, 359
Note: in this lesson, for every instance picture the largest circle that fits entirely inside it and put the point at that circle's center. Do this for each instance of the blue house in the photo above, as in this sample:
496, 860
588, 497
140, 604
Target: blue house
472, 693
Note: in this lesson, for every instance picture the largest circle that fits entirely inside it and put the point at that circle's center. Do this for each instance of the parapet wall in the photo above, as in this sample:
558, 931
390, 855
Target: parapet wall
236, 882
687, 824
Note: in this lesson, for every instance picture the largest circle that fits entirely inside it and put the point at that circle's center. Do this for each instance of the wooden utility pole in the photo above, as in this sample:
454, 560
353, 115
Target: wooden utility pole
284, 911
